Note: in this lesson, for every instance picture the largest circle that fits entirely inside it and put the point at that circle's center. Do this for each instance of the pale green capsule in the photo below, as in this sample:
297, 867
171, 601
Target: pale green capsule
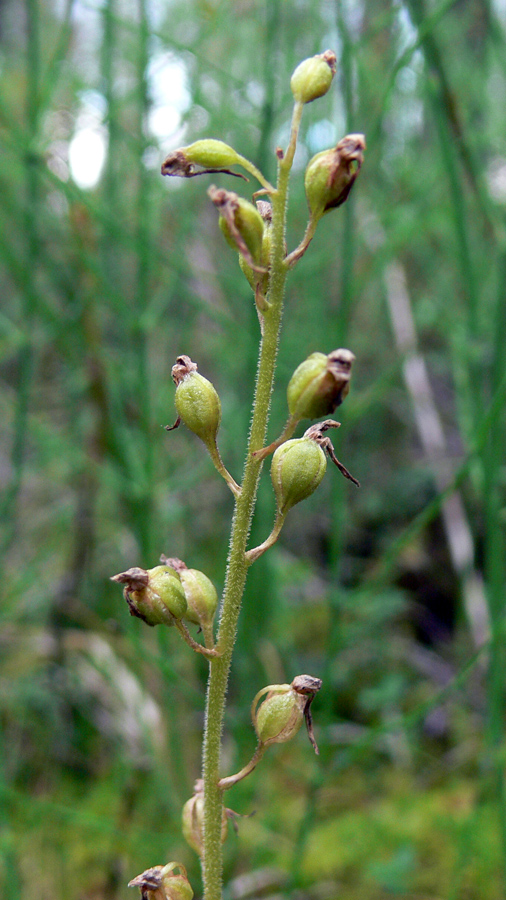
201, 596
198, 405
211, 154
154, 595
297, 469
279, 716
249, 224
331, 174
319, 384
312, 77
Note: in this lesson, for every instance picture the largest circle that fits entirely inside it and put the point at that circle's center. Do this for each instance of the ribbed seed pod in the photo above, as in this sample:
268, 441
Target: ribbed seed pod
319, 384
255, 278
154, 595
201, 596
197, 402
193, 823
207, 155
167, 584
297, 469
280, 716
313, 77
210, 153
163, 883
281, 713
249, 224
331, 174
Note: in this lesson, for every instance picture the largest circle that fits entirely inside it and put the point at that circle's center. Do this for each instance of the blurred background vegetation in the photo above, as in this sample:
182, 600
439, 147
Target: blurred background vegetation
393, 594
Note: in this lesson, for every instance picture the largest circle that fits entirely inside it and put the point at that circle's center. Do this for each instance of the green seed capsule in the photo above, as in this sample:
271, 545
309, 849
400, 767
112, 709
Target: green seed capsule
319, 384
281, 713
154, 595
201, 596
193, 823
331, 174
312, 77
248, 222
255, 278
163, 882
280, 716
167, 584
197, 402
210, 153
297, 469
248, 272
199, 406
200, 157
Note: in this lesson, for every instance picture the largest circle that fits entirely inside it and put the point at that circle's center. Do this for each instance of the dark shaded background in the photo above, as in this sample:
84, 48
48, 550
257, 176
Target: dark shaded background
393, 594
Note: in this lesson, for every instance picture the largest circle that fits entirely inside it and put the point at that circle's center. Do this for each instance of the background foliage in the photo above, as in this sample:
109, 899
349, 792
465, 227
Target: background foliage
393, 594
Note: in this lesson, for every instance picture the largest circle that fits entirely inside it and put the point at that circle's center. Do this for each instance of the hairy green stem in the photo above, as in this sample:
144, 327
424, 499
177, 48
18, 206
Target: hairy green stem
207, 631
286, 434
299, 251
256, 552
229, 782
214, 453
237, 565
246, 164
209, 652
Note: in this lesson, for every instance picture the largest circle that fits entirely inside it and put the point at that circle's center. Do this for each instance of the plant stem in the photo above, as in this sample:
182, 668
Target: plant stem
207, 631
246, 164
237, 565
299, 251
254, 554
288, 430
214, 453
208, 652
229, 782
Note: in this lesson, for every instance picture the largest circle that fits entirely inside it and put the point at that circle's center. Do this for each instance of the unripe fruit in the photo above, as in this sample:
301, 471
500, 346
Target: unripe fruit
197, 402
199, 406
166, 583
208, 155
211, 153
255, 278
193, 823
297, 469
281, 713
250, 275
162, 883
248, 222
330, 175
319, 384
201, 596
313, 77
280, 716
154, 595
